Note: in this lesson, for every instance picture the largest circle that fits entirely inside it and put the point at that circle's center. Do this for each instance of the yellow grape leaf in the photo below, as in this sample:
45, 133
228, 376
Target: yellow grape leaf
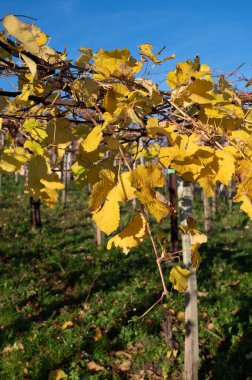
244, 170
40, 37
80, 174
219, 111
197, 237
133, 116
153, 127
85, 57
13, 159
212, 112
66, 325
31, 38
108, 217
131, 236
208, 176
115, 62
156, 204
86, 90
86, 169
31, 64
226, 166
93, 139
84, 175
151, 151
179, 278
57, 374
52, 182
123, 190
146, 50
184, 73
232, 111
34, 147
195, 257
105, 198
48, 196
179, 76
148, 84
199, 91
114, 96
37, 168
101, 189
144, 179
41, 182
246, 205
36, 129
167, 154
59, 132
49, 55
147, 175
185, 154
21, 32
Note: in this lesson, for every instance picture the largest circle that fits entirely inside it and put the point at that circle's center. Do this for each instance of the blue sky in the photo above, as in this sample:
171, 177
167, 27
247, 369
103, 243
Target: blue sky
219, 31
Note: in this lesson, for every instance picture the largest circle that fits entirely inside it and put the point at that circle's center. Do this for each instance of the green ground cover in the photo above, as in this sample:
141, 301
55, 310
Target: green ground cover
58, 275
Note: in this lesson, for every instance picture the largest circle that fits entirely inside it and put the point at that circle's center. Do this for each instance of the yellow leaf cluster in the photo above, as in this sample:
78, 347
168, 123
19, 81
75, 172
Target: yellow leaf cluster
31, 37
41, 182
198, 163
144, 179
184, 73
116, 63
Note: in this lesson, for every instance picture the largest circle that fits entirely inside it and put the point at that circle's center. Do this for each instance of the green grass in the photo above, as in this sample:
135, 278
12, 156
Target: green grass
58, 274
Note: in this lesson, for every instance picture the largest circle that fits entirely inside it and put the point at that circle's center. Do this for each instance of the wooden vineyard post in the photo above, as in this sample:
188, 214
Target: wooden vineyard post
172, 186
99, 235
191, 310
134, 203
208, 221
66, 174
1, 145
230, 196
35, 218
215, 201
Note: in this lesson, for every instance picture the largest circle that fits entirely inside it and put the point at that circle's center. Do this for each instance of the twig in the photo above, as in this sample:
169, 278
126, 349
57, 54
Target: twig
158, 260
90, 287
233, 72
155, 304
